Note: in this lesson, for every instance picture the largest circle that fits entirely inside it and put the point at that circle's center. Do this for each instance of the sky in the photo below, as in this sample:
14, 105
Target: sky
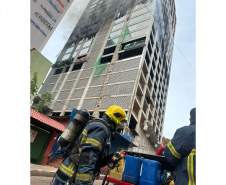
182, 86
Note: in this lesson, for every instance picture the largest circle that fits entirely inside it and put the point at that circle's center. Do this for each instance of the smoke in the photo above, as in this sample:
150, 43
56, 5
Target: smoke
90, 21
72, 17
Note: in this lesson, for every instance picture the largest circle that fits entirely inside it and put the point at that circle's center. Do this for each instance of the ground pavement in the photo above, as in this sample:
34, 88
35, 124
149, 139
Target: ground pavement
43, 175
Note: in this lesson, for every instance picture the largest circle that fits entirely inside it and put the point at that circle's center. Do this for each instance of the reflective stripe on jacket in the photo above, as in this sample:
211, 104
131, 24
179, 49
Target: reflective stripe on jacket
181, 152
92, 141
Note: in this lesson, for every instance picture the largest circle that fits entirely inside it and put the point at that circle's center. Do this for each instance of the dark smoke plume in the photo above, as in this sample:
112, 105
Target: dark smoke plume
90, 21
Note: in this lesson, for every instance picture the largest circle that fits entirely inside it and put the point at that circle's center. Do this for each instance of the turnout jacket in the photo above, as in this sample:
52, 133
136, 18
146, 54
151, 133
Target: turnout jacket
92, 142
181, 152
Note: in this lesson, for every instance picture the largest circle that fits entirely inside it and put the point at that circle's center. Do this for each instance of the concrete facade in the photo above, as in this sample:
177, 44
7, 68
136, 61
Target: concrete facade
134, 45
44, 18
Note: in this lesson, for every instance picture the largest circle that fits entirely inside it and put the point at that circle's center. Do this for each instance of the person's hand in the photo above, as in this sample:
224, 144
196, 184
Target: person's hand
97, 175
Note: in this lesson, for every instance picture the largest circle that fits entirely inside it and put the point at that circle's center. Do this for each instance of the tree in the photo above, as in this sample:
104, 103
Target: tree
45, 100
33, 84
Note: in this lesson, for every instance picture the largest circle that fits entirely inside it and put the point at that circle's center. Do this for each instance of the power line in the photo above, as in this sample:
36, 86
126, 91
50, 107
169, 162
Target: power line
172, 40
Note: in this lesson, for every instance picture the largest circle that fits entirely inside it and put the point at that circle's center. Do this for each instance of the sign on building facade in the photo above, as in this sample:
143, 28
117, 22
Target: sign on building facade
45, 15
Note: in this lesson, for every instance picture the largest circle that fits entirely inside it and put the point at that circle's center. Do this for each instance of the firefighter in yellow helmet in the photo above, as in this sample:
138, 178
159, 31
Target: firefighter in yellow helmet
93, 146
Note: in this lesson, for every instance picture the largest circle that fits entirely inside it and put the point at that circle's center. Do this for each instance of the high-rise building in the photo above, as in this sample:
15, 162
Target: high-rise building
44, 17
119, 53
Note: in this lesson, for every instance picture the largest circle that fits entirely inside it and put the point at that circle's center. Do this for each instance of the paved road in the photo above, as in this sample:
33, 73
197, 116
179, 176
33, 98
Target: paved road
39, 180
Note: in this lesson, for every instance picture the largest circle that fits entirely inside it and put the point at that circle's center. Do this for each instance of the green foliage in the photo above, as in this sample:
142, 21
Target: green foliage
46, 98
33, 84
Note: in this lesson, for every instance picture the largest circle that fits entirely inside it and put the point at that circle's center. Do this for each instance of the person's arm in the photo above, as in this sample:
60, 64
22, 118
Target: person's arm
96, 138
177, 148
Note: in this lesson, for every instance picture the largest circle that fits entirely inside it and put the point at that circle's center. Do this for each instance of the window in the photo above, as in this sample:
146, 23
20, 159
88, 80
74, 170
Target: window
66, 57
74, 54
112, 42
147, 59
82, 56
88, 43
77, 67
132, 123
78, 46
130, 53
66, 70
84, 51
152, 74
106, 59
109, 50
58, 71
152, 40
67, 113
69, 50
133, 43
56, 114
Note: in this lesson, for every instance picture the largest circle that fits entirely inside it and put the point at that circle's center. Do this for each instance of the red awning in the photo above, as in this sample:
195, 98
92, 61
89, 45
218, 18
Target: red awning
45, 119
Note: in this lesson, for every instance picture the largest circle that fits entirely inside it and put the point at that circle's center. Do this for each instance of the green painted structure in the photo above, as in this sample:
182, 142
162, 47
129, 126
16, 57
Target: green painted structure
39, 64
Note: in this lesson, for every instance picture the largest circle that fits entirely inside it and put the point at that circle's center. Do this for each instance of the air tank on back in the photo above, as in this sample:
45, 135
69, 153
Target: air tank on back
74, 129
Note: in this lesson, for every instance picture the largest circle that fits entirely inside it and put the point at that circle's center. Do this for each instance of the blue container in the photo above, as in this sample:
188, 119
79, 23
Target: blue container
150, 172
131, 171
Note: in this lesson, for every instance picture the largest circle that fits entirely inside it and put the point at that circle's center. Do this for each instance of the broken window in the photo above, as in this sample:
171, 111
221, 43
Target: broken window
134, 43
77, 67
56, 114
58, 71
132, 123
109, 50
81, 56
130, 53
67, 68
106, 59
67, 113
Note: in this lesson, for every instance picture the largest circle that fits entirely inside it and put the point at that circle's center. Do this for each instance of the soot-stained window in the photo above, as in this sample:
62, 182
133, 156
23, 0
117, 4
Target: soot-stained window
130, 53
58, 71
77, 67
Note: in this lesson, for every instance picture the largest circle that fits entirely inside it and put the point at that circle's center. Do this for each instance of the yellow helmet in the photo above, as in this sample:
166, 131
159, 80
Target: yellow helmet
116, 114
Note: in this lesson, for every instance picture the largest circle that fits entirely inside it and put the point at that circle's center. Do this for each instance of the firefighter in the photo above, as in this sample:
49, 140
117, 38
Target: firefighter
181, 152
92, 146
